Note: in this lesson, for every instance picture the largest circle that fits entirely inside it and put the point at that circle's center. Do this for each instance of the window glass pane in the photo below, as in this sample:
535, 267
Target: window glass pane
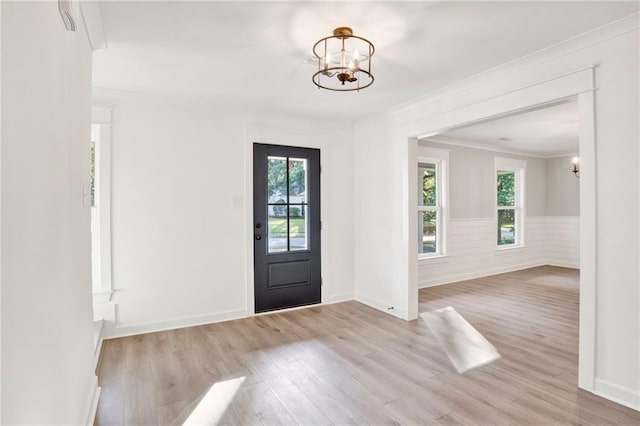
427, 184
277, 232
506, 188
277, 180
506, 227
297, 180
298, 227
427, 232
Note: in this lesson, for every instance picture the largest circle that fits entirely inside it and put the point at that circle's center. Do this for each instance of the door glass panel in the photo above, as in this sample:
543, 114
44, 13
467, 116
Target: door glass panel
427, 231
506, 189
427, 177
298, 227
506, 227
297, 180
277, 180
277, 231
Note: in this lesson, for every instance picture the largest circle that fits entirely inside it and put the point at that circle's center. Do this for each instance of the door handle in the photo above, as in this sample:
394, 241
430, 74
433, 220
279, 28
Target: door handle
258, 237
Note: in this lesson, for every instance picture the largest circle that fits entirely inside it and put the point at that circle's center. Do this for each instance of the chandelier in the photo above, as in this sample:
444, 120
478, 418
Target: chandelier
344, 61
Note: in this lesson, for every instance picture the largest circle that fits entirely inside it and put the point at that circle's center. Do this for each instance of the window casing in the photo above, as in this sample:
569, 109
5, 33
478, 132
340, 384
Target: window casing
431, 207
509, 203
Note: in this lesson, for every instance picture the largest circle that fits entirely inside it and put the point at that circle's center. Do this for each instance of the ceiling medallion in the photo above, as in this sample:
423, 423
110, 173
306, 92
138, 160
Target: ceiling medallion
344, 61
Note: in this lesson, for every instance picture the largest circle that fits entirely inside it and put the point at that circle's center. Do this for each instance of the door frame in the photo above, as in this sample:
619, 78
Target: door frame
294, 136
580, 84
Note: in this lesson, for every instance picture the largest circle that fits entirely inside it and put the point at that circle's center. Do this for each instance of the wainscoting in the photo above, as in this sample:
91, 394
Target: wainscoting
471, 249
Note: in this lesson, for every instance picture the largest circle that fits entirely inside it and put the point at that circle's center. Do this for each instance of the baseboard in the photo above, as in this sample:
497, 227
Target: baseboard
382, 306
337, 298
563, 265
151, 327
617, 394
98, 327
451, 279
92, 402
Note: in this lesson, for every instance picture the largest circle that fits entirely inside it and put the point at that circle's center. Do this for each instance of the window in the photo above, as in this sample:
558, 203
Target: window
99, 200
287, 204
431, 212
509, 196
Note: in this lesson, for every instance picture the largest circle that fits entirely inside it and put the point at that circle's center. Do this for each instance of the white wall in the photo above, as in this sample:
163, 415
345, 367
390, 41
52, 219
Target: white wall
563, 188
181, 208
614, 49
47, 336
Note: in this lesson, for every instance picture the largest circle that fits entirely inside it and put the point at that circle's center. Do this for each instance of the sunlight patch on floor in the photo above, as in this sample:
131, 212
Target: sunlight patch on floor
464, 345
215, 402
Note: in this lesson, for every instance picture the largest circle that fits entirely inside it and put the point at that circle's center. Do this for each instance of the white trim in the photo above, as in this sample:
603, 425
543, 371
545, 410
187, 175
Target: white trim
510, 164
429, 152
90, 13
102, 296
465, 276
618, 394
548, 91
588, 241
564, 265
448, 140
172, 324
339, 298
91, 407
101, 121
423, 256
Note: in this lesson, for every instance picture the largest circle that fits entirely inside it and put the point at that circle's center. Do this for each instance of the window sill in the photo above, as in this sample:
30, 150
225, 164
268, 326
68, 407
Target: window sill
429, 257
509, 248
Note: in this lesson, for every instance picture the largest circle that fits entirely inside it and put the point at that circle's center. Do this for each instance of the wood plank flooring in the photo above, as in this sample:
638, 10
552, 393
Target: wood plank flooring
350, 364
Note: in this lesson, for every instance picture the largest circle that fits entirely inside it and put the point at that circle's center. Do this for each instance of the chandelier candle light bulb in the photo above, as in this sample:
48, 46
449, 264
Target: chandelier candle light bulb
351, 71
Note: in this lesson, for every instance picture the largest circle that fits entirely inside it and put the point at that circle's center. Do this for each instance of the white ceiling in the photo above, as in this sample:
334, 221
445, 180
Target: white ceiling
545, 132
251, 54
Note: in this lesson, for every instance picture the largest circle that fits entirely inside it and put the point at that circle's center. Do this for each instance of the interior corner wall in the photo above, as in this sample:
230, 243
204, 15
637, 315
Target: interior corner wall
563, 188
47, 331
181, 243
614, 49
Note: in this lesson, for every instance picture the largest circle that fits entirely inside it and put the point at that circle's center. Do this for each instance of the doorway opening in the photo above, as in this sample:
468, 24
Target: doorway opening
546, 94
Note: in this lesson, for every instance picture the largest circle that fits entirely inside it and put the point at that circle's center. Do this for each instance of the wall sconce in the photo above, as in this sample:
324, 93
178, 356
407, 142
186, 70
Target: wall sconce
576, 167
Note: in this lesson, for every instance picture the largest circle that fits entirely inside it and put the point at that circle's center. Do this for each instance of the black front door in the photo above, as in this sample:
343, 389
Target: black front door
286, 226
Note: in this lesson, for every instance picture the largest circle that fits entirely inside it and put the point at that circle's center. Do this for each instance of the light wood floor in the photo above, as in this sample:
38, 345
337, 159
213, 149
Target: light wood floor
350, 364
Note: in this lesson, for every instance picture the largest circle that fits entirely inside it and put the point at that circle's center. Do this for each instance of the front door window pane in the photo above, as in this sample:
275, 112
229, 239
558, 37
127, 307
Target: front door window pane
277, 180
277, 230
297, 180
297, 227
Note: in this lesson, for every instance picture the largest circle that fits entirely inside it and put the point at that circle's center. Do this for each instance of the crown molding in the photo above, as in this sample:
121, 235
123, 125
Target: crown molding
90, 13
449, 141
